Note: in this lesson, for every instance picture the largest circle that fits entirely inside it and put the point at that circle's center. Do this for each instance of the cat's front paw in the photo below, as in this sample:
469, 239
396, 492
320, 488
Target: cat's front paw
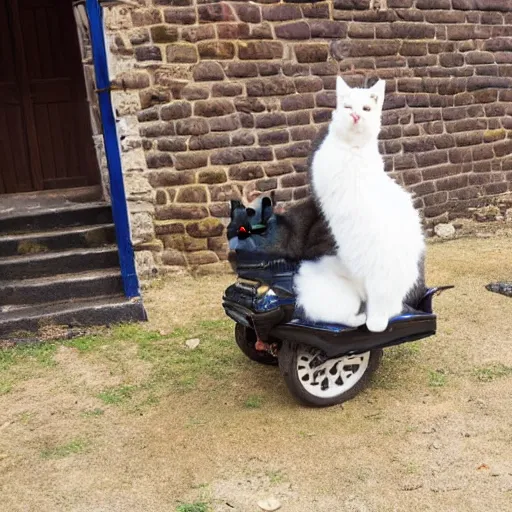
377, 323
356, 320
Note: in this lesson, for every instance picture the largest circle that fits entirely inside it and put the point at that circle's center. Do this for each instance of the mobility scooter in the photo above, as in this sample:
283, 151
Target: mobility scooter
322, 364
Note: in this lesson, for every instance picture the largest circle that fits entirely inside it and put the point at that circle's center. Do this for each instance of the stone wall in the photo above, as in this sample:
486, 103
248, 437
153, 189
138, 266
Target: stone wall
84, 40
224, 98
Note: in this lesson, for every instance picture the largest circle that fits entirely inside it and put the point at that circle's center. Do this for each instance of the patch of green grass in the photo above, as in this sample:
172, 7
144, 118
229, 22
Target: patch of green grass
397, 361
39, 353
58, 452
86, 343
253, 402
116, 395
436, 378
176, 366
198, 506
491, 372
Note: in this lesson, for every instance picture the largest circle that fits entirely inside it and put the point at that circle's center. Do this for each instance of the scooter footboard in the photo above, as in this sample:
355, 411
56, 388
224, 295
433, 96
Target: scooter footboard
339, 341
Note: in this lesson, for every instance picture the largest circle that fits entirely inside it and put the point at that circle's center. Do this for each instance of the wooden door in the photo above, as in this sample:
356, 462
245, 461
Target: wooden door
45, 130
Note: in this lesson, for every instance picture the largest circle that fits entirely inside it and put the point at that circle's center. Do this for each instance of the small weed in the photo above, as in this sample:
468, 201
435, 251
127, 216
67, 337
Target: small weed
117, 395
275, 477
198, 506
253, 402
195, 422
5, 387
411, 468
58, 452
436, 378
492, 372
93, 413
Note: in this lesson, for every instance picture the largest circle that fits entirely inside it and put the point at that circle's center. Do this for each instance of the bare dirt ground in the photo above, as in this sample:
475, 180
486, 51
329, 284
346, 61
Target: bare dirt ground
130, 419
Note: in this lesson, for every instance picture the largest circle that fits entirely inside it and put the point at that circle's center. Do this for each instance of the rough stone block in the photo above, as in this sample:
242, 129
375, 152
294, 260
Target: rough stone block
269, 68
294, 150
209, 141
328, 29
176, 110
192, 126
270, 120
145, 17
186, 16
254, 50
296, 30
212, 176
195, 34
214, 12
241, 69
245, 172
180, 212
311, 52
213, 108
157, 129
273, 137
297, 102
193, 92
181, 53
224, 123
218, 50
227, 89
190, 160
242, 138
281, 12
270, 87
208, 71
233, 30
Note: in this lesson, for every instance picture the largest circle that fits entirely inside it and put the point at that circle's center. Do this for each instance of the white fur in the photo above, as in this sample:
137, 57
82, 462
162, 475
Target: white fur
326, 292
377, 230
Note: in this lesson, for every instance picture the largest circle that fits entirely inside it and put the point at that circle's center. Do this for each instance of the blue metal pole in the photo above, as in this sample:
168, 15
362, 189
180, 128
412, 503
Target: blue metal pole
112, 151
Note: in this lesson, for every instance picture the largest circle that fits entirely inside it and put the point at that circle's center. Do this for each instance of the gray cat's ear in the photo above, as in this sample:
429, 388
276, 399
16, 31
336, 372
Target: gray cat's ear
234, 203
342, 89
378, 91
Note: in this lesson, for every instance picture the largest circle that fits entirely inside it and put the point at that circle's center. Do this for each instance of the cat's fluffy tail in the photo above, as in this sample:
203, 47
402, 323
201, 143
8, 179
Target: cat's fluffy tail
326, 295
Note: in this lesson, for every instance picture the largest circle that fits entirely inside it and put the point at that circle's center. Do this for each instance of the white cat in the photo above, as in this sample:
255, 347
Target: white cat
377, 231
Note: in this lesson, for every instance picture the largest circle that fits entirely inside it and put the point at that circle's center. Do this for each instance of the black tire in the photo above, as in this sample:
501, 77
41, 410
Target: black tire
246, 339
288, 364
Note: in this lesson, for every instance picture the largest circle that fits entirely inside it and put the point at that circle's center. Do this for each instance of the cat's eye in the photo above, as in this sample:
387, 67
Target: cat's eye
366, 108
347, 106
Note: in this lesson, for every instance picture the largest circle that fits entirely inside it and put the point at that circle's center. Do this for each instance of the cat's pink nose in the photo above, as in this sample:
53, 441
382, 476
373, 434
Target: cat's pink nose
355, 117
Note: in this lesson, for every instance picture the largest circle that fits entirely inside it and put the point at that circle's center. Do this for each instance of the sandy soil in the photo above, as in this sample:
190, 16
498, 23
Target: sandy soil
109, 424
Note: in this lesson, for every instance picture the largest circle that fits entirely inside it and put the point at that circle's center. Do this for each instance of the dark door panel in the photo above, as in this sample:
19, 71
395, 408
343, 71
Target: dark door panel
45, 130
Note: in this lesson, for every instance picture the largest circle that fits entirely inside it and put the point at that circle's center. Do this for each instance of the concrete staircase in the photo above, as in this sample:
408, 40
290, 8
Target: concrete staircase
59, 265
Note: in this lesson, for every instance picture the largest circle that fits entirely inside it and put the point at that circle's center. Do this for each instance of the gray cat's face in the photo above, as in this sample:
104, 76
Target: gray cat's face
358, 111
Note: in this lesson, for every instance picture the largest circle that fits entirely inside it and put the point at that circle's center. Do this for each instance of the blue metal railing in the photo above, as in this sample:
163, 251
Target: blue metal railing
112, 151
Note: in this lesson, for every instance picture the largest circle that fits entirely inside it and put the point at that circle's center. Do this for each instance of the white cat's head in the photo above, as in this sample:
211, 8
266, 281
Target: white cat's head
357, 118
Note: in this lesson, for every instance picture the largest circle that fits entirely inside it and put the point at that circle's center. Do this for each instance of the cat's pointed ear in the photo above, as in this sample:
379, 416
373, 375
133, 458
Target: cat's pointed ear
342, 89
378, 91
234, 205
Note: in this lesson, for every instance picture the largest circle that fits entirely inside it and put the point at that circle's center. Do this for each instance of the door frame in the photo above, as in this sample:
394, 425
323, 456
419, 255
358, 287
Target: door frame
112, 150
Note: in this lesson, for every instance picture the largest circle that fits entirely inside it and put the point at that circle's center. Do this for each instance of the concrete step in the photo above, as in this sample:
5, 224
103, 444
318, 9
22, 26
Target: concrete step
51, 263
72, 313
69, 238
95, 283
58, 217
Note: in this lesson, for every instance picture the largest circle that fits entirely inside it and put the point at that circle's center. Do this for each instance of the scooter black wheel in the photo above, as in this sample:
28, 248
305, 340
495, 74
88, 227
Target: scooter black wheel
246, 341
318, 382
